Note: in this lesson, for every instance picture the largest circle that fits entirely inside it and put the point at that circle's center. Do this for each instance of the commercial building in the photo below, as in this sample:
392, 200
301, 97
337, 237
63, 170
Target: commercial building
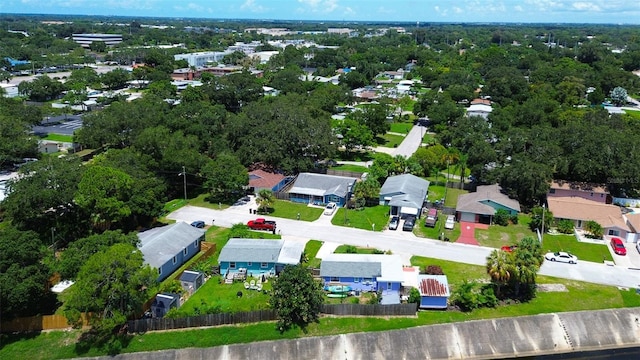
85, 40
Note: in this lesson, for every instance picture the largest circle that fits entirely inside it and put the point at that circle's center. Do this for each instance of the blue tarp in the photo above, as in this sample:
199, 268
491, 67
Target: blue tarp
15, 62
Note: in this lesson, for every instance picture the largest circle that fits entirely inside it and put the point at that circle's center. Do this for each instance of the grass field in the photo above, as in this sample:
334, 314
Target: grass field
391, 140
290, 210
342, 249
311, 250
437, 192
349, 167
375, 217
633, 113
580, 296
401, 127
59, 138
497, 236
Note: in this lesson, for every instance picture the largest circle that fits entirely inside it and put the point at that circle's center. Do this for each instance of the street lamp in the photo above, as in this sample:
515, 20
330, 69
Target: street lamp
184, 176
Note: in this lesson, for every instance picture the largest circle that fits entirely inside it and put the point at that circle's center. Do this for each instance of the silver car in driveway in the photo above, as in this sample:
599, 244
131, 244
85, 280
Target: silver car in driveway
393, 224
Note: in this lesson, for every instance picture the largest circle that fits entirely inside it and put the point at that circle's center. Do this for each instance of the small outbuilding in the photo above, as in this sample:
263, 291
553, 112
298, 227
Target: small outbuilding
191, 281
163, 303
434, 291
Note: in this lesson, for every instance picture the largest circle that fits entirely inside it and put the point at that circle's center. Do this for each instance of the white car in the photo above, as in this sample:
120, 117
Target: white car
450, 223
331, 207
561, 256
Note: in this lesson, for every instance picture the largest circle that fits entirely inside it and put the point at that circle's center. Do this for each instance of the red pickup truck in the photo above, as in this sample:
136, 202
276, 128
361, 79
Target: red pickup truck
262, 224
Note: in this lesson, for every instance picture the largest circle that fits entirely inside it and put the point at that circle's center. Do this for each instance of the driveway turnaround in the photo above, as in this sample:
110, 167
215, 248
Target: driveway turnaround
407, 244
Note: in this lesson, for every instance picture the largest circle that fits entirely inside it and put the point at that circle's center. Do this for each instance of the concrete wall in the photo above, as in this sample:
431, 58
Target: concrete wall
483, 339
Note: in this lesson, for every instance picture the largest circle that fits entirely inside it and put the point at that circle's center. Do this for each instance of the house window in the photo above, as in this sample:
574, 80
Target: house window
232, 265
185, 251
355, 280
175, 260
249, 264
335, 279
160, 271
388, 286
264, 265
591, 194
601, 195
614, 232
552, 191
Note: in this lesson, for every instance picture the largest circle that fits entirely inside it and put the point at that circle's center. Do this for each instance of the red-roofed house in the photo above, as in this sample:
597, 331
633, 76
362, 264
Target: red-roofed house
260, 179
434, 291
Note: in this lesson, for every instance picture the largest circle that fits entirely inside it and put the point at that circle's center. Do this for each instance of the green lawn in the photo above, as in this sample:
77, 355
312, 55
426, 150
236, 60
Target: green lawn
569, 243
215, 293
342, 249
311, 250
437, 192
59, 138
633, 113
434, 232
581, 296
401, 127
391, 140
428, 139
290, 210
497, 236
363, 219
349, 167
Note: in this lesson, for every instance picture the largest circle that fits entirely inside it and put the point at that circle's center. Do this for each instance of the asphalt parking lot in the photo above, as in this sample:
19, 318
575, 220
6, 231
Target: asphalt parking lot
63, 124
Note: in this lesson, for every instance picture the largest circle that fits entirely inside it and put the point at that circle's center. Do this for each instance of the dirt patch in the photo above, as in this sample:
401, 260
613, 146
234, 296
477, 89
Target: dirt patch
552, 288
482, 236
505, 237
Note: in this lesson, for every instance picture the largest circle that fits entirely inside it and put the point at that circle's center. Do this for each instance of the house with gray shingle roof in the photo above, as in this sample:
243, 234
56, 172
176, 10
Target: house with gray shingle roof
405, 194
167, 248
259, 256
365, 273
481, 206
322, 189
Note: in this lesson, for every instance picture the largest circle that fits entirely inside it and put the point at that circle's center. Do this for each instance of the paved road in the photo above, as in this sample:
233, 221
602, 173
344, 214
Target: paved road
411, 142
406, 244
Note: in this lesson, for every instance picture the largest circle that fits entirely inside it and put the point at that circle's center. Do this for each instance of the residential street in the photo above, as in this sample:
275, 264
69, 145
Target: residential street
405, 244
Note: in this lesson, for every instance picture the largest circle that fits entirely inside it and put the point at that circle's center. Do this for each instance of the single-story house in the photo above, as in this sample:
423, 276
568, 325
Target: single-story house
481, 206
405, 194
167, 248
434, 291
322, 189
260, 179
48, 147
633, 221
163, 303
594, 192
366, 273
481, 110
191, 281
259, 256
580, 210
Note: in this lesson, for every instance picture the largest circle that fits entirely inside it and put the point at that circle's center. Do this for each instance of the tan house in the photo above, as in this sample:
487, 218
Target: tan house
481, 206
594, 192
580, 210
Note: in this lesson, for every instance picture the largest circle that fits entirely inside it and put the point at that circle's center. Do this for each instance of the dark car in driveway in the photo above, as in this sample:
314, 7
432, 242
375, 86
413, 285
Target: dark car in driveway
409, 222
198, 224
393, 224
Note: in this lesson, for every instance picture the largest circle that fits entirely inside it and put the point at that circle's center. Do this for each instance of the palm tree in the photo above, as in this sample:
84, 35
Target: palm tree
265, 200
500, 269
462, 163
450, 157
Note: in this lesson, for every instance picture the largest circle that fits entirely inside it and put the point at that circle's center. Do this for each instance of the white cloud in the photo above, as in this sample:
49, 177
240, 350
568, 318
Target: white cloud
318, 6
586, 6
251, 5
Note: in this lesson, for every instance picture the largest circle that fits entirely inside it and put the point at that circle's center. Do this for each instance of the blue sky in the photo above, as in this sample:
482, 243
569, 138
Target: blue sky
548, 11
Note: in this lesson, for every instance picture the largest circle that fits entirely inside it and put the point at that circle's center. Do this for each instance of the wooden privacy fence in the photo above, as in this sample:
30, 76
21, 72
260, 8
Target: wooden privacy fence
143, 325
38, 323
347, 173
369, 310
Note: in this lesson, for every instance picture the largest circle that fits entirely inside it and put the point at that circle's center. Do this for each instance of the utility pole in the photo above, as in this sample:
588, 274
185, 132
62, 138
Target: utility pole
184, 176
542, 234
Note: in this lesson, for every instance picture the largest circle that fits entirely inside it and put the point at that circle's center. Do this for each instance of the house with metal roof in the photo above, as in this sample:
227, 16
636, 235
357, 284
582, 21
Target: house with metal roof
434, 291
365, 273
481, 206
258, 256
405, 194
167, 248
322, 189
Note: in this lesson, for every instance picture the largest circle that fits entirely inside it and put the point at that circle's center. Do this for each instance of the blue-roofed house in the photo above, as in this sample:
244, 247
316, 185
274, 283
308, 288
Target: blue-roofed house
434, 291
365, 273
167, 248
405, 194
258, 256
322, 189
